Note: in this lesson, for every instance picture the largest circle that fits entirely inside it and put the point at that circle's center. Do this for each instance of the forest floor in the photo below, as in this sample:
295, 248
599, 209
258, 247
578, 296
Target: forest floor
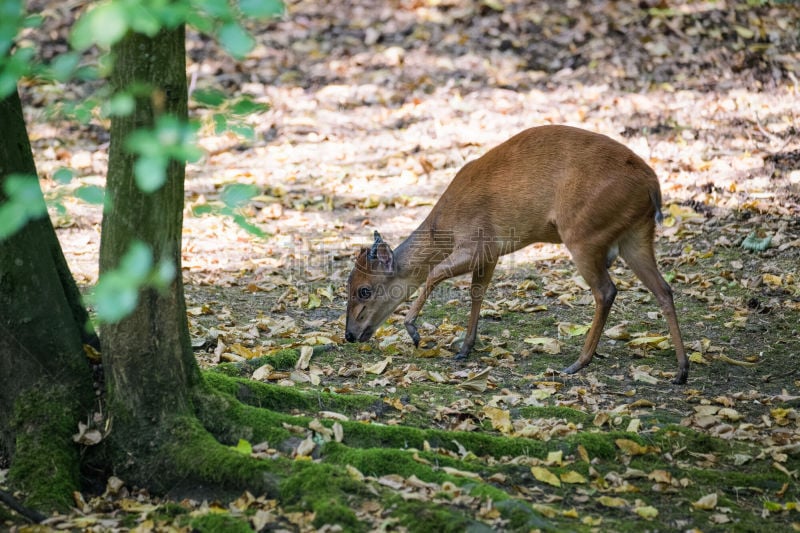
373, 109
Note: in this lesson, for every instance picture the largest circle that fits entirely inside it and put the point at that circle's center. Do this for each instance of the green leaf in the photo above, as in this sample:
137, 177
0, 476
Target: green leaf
91, 194
163, 274
104, 25
220, 122
246, 106
756, 241
243, 447
120, 105
143, 142
12, 218
209, 97
238, 194
64, 65
219, 9
243, 130
114, 297
150, 172
235, 39
250, 228
11, 12
143, 20
137, 262
202, 209
108, 23
24, 190
261, 8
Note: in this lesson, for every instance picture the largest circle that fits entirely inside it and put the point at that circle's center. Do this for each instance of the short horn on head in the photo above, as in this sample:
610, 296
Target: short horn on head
374, 250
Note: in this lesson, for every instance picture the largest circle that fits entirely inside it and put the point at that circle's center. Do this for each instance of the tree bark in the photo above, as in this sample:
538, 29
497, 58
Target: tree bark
46, 380
147, 356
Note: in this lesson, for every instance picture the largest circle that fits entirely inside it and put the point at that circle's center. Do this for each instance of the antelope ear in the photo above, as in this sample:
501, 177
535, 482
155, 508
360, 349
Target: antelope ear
385, 256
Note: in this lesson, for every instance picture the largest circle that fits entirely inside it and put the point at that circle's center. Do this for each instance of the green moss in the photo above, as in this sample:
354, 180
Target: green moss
331, 512
735, 480
46, 463
558, 412
598, 444
369, 436
168, 510
674, 436
521, 517
381, 461
424, 517
258, 394
220, 523
324, 489
194, 455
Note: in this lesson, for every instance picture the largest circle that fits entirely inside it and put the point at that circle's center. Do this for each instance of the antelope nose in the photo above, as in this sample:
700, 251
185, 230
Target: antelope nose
350, 337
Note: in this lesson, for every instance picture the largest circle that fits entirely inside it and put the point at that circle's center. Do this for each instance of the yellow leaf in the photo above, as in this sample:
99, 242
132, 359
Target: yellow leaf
731, 414
313, 301
377, 368
545, 510
584, 455
726, 359
660, 476
318, 339
501, 419
572, 477
697, 357
707, 502
544, 344
744, 33
618, 332
354, 473
545, 476
630, 447
477, 382
611, 501
568, 329
592, 521
649, 512
570, 513
243, 351
644, 377
555, 458
133, 506
460, 473
601, 418
683, 212
652, 341
305, 357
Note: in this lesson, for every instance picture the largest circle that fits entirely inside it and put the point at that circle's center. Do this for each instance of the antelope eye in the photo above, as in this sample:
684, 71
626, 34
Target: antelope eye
364, 293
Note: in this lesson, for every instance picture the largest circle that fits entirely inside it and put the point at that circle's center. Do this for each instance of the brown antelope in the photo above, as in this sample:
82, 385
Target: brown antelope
553, 184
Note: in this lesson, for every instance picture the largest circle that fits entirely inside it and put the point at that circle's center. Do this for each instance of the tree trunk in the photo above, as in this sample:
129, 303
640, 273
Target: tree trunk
150, 367
46, 380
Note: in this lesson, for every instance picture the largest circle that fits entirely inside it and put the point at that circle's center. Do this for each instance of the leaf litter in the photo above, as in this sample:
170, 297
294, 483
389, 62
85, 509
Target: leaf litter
371, 112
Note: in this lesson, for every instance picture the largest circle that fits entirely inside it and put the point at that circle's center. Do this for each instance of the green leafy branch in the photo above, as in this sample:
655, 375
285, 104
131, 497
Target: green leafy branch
23, 203
117, 292
234, 197
229, 114
170, 139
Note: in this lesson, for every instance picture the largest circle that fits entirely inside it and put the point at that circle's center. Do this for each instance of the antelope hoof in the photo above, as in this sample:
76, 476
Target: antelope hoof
461, 356
412, 331
680, 379
574, 367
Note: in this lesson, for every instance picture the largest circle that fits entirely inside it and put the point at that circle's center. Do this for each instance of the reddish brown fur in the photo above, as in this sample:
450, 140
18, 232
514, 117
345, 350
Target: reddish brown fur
547, 184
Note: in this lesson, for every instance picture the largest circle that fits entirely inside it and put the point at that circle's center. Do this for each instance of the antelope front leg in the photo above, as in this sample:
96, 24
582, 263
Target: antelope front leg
480, 281
455, 264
